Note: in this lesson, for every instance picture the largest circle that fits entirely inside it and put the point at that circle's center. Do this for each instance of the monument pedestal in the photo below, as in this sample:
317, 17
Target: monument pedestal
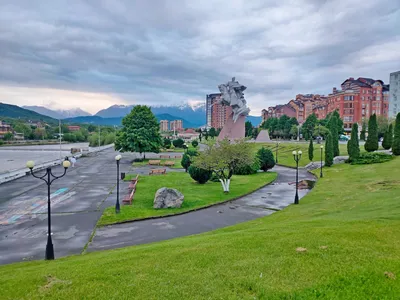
232, 130
263, 136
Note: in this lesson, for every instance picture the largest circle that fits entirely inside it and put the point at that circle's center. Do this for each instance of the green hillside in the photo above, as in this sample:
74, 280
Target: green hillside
16, 112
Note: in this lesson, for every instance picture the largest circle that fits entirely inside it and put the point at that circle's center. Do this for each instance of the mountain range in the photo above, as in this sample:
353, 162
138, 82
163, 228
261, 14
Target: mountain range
16, 112
58, 114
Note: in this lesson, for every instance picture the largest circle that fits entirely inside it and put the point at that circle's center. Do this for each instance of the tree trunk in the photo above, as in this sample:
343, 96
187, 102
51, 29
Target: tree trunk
225, 185
144, 155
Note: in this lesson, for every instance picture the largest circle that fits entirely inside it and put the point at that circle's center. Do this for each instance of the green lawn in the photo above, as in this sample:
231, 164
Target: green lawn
196, 195
146, 162
349, 225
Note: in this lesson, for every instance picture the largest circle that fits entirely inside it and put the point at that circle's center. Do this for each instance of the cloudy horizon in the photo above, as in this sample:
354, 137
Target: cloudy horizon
94, 54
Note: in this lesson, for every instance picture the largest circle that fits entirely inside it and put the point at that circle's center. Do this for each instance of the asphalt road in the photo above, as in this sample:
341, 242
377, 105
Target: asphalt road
77, 203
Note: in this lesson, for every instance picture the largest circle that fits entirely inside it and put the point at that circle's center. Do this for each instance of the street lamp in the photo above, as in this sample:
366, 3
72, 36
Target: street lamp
321, 175
117, 208
277, 146
297, 157
50, 178
185, 146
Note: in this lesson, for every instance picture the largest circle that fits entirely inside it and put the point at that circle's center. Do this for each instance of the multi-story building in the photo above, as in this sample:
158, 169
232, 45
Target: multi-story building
164, 125
216, 114
74, 128
394, 94
278, 111
176, 125
4, 129
358, 100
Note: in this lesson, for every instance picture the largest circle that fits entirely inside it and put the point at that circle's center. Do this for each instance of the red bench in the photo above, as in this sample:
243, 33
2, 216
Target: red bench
128, 198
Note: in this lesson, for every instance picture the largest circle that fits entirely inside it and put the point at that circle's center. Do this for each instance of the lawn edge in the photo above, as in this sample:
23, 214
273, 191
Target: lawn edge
191, 210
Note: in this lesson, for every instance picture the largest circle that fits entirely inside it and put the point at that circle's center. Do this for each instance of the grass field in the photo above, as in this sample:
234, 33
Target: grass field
341, 242
196, 195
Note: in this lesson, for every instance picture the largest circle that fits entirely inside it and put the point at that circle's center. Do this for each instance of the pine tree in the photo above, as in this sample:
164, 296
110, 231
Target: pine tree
396, 139
333, 127
388, 138
353, 147
329, 150
363, 130
311, 150
372, 143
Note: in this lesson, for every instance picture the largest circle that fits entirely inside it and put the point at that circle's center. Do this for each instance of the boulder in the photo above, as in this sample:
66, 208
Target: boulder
168, 198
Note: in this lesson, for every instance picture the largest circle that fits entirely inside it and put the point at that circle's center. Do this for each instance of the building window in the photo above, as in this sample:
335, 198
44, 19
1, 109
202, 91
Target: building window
378, 98
362, 98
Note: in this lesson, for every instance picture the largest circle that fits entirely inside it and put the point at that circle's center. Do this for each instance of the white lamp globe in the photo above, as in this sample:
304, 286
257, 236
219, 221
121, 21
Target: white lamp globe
66, 164
30, 164
118, 157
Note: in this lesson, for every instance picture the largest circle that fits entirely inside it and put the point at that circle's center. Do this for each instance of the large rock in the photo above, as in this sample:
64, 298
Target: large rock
166, 198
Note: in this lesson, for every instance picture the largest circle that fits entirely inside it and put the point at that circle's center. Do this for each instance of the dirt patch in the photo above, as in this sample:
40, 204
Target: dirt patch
390, 275
387, 184
52, 280
301, 249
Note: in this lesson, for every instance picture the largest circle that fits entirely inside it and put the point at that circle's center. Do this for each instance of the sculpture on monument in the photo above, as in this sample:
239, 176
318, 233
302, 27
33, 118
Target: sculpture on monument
232, 95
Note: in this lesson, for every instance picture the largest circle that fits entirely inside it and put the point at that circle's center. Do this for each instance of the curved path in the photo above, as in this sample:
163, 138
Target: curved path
263, 202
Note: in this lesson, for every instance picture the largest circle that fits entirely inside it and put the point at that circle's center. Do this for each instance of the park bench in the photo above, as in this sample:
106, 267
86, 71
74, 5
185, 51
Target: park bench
128, 198
157, 171
178, 156
169, 163
132, 185
164, 156
154, 162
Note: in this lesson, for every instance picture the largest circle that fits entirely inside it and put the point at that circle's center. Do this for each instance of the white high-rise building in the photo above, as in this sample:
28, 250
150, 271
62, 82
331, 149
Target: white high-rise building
394, 94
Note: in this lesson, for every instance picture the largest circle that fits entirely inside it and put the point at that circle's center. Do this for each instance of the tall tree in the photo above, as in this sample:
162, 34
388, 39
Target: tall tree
333, 124
248, 128
353, 147
329, 150
388, 138
140, 132
311, 150
340, 124
396, 138
363, 131
372, 143
308, 126
212, 132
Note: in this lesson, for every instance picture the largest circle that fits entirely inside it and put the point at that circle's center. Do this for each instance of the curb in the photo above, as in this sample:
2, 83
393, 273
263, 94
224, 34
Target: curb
189, 211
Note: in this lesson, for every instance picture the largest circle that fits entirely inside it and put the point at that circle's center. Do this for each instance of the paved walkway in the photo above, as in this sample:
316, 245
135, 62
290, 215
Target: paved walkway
260, 203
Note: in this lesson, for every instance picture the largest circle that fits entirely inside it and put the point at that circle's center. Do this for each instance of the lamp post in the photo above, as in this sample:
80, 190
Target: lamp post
49, 180
277, 146
185, 146
297, 157
321, 175
117, 208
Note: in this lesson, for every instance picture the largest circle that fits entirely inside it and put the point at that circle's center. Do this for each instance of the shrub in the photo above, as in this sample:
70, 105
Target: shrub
311, 150
138, 160
178, 143
266, 158
214, 178
1, 142
199, 175
185, 162
192, 152
167, 143
363, 131
372, 143
195, 143
333, 127
248, 169
396, 138
371, 158
329, 150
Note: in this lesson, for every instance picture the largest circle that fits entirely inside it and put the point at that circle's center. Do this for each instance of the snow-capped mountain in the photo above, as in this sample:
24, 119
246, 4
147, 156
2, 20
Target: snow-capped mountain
58, 114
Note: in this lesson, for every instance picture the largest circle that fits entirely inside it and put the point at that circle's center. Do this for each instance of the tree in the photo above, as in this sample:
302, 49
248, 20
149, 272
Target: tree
396, 139
353, 147
178, 143
383, 124
167, 143
140, 132
23, 128
363, 131
308, 126
339, 125
248, 128
372, 143
186, 162
266, 157
329, 150
388, 138
293, 131
320, 131
8, 136
311, 150
333, 125
195, 143
223, 157
212, 133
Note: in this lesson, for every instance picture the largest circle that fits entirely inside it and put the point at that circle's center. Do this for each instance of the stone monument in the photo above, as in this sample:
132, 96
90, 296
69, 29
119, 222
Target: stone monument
232, 95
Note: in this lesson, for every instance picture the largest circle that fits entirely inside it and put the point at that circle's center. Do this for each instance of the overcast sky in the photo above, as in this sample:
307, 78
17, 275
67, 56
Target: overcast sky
93, 54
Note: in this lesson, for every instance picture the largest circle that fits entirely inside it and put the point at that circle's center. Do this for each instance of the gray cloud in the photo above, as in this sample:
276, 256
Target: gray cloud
167, 51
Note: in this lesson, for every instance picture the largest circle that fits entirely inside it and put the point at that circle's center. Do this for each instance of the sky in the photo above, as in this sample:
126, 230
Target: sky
96, 53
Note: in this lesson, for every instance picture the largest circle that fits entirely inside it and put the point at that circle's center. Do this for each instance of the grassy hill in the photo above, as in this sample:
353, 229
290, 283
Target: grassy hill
16, 112
341, 242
